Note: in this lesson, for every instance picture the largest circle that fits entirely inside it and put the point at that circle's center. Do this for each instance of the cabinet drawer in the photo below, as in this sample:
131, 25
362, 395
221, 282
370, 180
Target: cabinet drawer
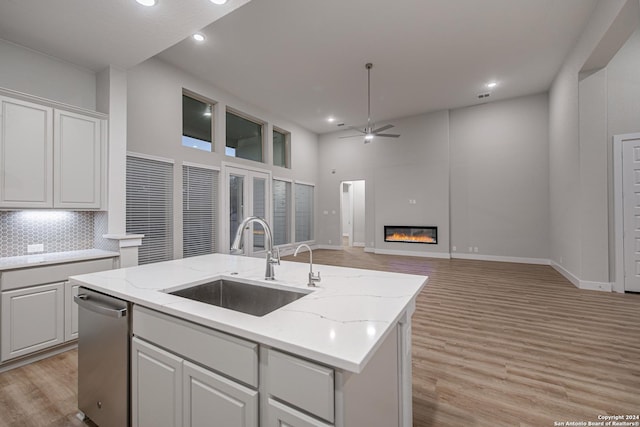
301, 383
224, 353
280, 415
14, 279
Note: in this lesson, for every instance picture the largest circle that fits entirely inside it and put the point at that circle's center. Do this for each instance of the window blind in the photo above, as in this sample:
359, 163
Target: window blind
199, 211
281, 212
304, 212
150, 207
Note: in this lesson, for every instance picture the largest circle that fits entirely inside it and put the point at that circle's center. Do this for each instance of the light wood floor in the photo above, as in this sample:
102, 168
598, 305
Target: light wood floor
494, 344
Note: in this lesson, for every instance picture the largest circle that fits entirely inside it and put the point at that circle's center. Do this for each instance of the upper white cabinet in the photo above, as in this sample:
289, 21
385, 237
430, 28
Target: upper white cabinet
50, 157
26, 154
77, 154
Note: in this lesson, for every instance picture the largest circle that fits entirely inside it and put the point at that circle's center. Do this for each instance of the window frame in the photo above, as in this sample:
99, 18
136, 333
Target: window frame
215, 208
290, 230
213, 104
287, 147
257, 121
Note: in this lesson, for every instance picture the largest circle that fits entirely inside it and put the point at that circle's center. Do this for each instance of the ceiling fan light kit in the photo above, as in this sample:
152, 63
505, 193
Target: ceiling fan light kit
369, 132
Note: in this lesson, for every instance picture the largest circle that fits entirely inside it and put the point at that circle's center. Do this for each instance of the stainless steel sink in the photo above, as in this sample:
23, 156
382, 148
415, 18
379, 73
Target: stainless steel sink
250, 299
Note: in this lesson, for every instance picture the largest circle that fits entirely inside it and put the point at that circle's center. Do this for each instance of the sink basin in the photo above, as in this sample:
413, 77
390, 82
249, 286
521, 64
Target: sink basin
250, 299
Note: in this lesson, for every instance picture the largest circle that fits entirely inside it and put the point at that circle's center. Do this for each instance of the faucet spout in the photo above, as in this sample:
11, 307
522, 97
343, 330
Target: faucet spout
313, 278
273, 257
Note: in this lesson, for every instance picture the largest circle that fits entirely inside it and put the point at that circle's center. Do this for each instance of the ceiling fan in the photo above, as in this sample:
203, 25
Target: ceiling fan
369, 132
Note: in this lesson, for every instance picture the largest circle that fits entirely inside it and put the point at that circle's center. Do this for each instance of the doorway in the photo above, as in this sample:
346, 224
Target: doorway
627, 211
248, 193
352, 213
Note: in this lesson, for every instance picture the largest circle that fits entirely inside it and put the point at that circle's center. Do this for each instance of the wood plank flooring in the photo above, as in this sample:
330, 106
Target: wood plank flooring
494, 344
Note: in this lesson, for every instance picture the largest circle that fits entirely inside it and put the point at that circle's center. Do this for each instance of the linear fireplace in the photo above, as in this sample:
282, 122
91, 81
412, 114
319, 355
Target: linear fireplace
411, 234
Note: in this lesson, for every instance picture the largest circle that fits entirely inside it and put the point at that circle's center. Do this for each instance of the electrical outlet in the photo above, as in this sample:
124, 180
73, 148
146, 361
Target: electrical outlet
475, 249
329, 241
453, 248
470, 249
38, 247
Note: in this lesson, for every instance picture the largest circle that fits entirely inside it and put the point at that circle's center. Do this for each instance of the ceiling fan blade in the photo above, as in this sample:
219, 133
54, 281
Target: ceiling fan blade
380, 129
350, 136
388, 135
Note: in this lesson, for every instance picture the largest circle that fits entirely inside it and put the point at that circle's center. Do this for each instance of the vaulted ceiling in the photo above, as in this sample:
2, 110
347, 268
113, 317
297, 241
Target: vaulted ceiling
304, 59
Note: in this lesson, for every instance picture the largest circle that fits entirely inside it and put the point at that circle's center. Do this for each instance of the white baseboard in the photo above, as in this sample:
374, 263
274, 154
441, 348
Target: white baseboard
519, 260
566, 273
370, 250
358, 244
582, 284
411, 253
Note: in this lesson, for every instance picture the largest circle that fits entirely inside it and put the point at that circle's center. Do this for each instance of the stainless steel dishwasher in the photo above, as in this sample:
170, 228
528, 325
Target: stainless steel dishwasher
103, 358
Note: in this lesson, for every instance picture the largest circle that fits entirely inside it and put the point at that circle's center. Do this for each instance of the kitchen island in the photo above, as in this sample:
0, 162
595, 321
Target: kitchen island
338, 356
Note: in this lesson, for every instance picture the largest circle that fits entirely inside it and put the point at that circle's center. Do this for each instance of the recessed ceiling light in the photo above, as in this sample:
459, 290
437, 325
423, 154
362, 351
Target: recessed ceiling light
218, 1
147, 2
491, 85
331, 119
198, 37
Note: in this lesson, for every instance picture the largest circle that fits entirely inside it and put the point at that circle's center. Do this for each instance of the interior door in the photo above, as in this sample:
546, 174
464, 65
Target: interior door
248, 194
631, 200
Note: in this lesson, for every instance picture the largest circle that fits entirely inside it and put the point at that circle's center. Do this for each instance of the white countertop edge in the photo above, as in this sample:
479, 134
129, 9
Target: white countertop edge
37, 260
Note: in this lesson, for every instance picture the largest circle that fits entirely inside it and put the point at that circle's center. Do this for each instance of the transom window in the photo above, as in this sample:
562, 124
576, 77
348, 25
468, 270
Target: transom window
281, 143
197, 122
244, 137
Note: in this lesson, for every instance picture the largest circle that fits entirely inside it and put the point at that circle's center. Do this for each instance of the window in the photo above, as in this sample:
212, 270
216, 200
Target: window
281, 212
244, 137
281, 148
150, 207
199, 211
304, 212
197, 123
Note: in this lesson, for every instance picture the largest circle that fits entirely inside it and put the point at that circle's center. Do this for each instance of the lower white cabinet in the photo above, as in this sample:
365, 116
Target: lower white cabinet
156, 386
281, 415
170, 391
32, 319
70, 312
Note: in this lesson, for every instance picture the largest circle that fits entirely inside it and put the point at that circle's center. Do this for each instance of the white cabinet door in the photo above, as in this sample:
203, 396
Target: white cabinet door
156, 386
210, 399
77, 161
70, 312
26, 153
32, 319
280, 415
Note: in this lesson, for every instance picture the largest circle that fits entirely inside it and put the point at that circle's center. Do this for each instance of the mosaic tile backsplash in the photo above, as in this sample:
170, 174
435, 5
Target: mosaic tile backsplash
59, 231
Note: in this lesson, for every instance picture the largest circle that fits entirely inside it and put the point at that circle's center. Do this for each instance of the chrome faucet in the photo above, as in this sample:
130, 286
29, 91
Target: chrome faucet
273, 257
312, 277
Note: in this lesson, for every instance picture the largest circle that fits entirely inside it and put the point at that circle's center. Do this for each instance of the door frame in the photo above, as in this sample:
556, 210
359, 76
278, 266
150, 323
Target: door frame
224, 194
618, 207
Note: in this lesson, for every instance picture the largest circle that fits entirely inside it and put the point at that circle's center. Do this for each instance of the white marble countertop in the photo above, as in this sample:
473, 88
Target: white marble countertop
37, 260
341, 323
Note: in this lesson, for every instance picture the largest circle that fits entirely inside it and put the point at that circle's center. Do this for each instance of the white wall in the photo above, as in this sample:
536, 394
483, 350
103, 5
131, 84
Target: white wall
154, 123
34, 73
606, 30
500, 178
414, 166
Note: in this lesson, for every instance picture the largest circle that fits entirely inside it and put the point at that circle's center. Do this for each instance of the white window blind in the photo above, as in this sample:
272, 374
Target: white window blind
199, 211
304, 212
281, 212
150, 207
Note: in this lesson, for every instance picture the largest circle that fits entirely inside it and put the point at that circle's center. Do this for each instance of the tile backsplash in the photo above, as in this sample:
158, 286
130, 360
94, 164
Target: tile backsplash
58, 231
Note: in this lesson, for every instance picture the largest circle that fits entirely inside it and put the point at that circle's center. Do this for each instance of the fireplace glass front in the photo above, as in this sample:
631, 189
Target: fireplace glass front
411, 234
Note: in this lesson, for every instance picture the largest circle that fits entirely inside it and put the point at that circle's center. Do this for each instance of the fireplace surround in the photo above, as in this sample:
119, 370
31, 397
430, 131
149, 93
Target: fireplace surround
411, 234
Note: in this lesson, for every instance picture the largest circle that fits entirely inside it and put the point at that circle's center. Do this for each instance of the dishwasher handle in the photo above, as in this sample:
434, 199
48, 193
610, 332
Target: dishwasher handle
83, 301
